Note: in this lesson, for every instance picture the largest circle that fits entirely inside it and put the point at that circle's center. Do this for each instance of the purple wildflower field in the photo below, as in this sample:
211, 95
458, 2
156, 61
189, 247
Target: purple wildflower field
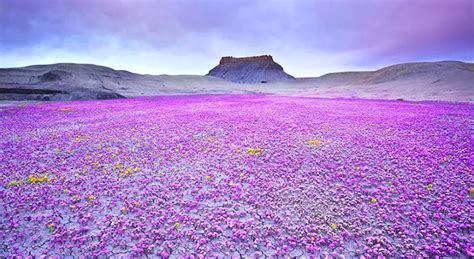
237, 175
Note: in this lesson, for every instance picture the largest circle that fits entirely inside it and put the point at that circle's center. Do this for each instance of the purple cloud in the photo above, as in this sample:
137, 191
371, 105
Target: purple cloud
340, 34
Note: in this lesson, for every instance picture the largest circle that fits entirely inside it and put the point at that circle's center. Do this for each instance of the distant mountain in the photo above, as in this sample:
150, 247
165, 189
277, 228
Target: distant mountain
444, 80
400, 72
68, 81
258, 69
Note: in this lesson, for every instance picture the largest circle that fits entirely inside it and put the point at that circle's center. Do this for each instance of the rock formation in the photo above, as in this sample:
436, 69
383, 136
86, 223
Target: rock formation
259, 69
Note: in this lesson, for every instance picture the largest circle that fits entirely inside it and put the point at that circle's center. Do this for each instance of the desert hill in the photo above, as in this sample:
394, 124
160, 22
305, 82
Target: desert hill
69, 81
444, 80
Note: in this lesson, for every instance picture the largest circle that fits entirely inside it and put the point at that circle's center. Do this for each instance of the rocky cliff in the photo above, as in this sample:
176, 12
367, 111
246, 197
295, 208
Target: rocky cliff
258, 69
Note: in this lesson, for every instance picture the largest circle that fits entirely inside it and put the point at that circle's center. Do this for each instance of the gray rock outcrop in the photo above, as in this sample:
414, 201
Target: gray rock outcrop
258, 69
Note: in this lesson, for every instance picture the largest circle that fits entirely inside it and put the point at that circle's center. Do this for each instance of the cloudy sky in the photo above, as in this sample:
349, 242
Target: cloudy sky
308, 38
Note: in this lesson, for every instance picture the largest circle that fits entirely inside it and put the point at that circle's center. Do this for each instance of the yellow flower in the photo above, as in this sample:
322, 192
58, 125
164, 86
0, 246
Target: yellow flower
51, 227
333, 226
123, 210
316, 142
177, 225
471, 190
373, 200
242, 175
65, 190
136, 204
90, 197
78, 138
430, 186
127, 171
14, 183
75, 197
358, 168
38, 179
208, 177
72, 206
44, 178
254, 151
32, 179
